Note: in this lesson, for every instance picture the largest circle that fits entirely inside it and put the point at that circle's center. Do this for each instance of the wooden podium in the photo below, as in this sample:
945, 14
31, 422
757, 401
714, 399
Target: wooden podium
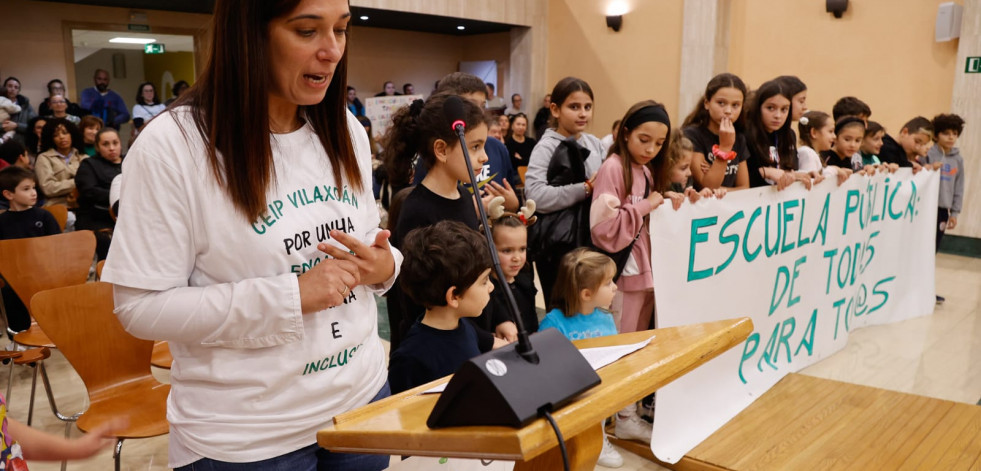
397, 425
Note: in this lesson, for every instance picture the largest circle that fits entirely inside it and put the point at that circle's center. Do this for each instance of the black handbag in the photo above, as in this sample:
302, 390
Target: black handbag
620, 257
558, 232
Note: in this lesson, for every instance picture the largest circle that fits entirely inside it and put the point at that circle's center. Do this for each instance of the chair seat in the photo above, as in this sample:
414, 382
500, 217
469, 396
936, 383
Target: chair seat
33, 355
34, 337
143, 402
161, 357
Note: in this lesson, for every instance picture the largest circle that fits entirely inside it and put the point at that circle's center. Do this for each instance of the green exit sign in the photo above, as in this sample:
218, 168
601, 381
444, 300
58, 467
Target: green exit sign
973, 65
153, 48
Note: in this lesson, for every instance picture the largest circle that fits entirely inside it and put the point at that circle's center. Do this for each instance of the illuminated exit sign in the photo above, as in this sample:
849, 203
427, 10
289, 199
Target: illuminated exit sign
973, 65
153, 48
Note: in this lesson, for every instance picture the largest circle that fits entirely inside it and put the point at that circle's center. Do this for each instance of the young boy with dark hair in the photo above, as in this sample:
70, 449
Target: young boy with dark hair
912, 144
851, 106
447, 271
21, 221
947, 128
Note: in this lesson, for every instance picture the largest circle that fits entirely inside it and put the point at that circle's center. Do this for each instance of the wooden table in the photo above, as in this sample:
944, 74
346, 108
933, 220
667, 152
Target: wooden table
397, 425
811, 423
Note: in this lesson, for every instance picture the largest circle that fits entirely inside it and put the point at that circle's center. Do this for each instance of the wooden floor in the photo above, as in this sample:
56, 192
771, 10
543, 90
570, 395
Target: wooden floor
936, 356
844, 427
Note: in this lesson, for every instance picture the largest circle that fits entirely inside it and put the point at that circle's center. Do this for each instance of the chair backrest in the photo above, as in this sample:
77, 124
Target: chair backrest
60, 213
98, 269
521, 173
80, 321
41, 263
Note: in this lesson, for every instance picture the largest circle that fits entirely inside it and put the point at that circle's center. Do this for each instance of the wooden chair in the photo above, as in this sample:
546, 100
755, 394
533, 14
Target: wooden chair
161, 357
98, 269
38, 264
60, 213
114, 365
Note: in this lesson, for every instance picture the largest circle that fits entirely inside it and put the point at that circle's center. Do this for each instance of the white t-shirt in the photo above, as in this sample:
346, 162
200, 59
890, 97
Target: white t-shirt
252, 378
147, 112
808, 160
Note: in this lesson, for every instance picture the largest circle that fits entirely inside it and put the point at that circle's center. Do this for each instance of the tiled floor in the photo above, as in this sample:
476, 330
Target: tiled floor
937, 356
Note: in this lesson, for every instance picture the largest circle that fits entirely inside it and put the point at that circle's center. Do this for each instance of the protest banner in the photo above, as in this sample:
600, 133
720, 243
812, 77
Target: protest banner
807, 266
381, 109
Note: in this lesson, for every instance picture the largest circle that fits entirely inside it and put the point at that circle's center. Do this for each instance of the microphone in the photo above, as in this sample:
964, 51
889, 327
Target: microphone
453, 110
514, 384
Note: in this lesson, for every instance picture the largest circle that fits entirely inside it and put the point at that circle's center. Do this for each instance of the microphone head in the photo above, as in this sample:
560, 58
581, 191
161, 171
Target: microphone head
453, 110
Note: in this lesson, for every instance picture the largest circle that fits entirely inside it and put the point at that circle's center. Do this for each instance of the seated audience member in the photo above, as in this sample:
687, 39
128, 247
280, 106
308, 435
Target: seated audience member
353, 103
408, 89
494, 102
21, 221
59, 109
91, 125
7, 109
93, 180
17, 122
14, 154
447, 271
103, 102
912, 143
542, 116
515, 107
56, 166
494, 128
505, 124
180, 87
147, 106
32, 140
388, 90
57, 87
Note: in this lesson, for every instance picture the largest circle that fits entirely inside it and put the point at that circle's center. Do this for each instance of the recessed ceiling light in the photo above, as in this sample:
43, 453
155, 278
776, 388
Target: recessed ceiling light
461, 27
364, 17
132, 40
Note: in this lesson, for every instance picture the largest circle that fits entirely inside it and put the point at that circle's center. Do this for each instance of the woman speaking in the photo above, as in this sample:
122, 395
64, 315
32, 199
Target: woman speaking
248, 238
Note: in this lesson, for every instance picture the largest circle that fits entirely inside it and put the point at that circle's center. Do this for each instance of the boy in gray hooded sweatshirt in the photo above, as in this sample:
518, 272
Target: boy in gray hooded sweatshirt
947, 158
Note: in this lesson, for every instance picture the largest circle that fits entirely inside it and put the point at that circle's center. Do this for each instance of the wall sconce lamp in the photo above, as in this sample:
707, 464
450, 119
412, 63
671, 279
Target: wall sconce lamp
836, 7
614, 21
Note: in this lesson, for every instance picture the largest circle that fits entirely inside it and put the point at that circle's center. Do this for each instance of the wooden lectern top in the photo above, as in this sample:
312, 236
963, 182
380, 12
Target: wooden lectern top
397, 425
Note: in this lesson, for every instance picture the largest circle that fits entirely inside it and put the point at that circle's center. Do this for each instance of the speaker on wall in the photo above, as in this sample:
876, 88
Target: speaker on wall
948, 22
836, 7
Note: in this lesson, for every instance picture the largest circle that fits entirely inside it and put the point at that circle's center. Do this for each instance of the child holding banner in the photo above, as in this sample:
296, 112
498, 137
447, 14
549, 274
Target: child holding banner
622, 200
672, 174
772, 144
817, 133
720, 147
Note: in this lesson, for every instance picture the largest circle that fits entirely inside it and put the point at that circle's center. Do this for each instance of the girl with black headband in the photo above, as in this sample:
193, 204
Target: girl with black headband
849, 133
623, 198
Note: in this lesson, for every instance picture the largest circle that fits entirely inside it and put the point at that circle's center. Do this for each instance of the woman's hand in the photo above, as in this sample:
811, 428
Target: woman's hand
9, 125
676, 199
507, 331
327, 284
375, 264
727, 135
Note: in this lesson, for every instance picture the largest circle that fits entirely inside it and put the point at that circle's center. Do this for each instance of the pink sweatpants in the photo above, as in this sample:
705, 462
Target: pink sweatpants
635, 314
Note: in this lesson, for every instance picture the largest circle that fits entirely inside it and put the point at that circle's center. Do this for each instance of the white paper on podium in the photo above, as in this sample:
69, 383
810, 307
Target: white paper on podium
597, 357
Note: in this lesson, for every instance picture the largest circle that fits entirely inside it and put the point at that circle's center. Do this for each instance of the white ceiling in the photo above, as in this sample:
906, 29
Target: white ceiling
87, 42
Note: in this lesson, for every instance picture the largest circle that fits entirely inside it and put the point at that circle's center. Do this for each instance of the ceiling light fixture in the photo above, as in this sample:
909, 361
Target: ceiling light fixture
123, 40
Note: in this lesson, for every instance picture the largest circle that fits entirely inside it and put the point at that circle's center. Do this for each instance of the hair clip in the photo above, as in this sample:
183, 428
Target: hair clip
803, 120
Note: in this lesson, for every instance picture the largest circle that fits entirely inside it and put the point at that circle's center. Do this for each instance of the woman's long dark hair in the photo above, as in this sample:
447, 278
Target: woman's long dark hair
231, 109
757, 136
